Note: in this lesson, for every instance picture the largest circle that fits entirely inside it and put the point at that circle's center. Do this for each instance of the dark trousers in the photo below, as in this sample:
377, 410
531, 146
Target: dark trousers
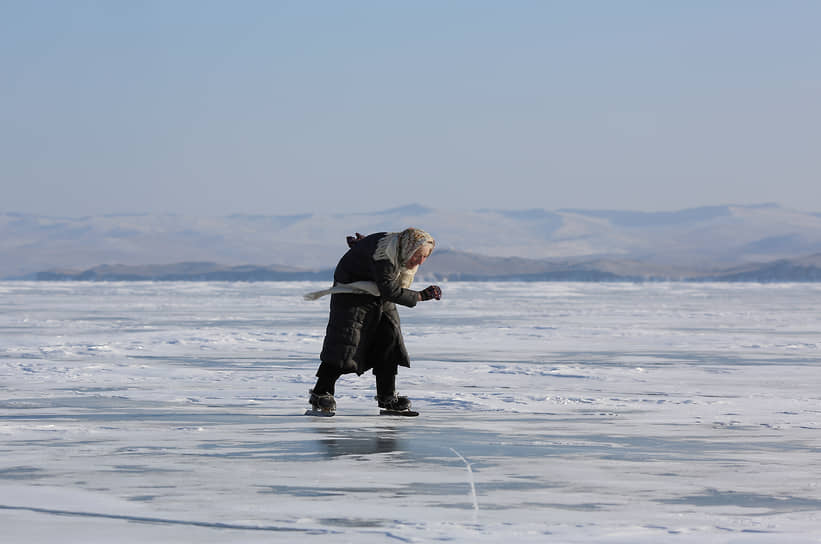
328, 374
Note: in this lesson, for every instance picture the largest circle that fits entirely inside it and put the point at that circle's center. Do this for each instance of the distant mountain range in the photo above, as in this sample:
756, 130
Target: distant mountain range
732, 243
456, 266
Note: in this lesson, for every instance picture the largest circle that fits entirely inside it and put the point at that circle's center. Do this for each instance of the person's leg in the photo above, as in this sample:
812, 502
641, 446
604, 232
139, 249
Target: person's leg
326, 379
386, 395
322, 395
385, 381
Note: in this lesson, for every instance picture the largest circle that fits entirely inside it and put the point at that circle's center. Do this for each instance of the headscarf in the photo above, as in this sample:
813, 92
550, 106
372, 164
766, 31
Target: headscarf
398, 247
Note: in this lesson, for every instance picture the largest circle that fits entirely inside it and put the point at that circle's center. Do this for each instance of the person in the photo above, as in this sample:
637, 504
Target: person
363, 331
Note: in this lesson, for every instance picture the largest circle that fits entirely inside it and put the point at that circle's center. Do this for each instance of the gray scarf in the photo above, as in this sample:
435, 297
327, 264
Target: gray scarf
396, 247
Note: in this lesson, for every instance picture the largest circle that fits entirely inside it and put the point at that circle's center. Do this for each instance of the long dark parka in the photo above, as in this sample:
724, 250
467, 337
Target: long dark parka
363, 330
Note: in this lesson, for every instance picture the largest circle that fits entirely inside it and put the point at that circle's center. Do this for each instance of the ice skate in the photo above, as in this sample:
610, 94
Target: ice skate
395, 405
321, 405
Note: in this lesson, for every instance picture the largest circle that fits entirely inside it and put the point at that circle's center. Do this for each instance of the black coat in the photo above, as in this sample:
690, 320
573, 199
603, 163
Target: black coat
363, 330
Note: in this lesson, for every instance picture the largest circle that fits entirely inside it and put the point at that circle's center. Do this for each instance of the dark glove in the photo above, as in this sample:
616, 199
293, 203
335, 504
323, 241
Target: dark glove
352, 241
430, 292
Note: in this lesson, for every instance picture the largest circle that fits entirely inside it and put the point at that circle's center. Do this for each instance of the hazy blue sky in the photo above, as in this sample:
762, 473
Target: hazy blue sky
275, 107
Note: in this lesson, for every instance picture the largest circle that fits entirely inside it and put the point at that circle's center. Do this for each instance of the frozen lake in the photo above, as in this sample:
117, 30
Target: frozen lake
551, 412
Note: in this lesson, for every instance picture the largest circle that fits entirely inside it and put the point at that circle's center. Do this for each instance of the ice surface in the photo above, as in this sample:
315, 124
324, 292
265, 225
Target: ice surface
551, 412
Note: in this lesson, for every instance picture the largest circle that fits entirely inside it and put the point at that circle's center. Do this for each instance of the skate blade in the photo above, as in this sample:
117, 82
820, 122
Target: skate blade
406, 413
319, 413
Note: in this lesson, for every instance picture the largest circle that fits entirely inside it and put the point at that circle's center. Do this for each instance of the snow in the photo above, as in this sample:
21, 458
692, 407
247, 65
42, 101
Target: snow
562, 412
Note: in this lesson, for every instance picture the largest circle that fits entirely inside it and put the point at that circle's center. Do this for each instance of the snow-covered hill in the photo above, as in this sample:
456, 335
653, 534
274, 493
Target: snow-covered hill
701, 238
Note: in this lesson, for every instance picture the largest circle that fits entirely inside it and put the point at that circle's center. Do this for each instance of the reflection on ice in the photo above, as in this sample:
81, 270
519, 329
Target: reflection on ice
359, 441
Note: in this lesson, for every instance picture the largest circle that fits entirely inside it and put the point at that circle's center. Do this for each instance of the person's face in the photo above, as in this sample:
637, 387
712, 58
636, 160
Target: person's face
419, 257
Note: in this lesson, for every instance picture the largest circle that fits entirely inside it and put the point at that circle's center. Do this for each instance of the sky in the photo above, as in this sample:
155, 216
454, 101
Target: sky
276, 107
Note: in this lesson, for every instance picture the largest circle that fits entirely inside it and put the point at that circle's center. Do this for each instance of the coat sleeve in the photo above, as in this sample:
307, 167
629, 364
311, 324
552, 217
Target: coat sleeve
385, 276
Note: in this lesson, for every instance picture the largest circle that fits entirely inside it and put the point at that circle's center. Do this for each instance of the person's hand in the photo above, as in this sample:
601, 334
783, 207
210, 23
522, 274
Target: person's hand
432, 291
352, 241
